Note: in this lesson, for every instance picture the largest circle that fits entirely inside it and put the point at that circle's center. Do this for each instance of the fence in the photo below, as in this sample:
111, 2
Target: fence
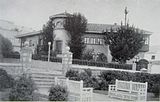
76, 90
102, 64
45, 58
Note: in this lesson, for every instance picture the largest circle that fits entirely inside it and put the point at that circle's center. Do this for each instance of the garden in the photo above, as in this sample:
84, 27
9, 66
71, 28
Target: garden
23, 88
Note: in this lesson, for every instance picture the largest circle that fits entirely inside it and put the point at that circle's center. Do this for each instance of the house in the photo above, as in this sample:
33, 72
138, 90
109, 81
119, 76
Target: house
93, 37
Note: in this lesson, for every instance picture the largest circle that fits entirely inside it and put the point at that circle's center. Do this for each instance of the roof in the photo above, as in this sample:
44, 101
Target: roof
99, 28
91, 28
28, 34
60, 15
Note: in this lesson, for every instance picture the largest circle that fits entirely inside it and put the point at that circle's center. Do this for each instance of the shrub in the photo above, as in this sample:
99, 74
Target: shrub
23, 89
102, 58
156, 90
72, 73
6, 81
87, 54
58, 93
86, 76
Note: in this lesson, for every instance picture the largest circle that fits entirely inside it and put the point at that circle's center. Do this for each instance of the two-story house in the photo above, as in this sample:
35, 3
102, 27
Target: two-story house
93, 37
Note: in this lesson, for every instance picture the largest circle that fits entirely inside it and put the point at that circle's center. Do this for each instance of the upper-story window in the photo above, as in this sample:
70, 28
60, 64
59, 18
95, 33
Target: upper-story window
146, 39
95, 41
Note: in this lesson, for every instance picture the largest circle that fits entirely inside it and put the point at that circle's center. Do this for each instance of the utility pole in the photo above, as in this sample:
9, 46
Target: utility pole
125, 12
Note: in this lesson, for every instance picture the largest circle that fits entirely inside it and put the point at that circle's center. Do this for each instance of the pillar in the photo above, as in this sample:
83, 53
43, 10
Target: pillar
66, 60
149, 67
134, 65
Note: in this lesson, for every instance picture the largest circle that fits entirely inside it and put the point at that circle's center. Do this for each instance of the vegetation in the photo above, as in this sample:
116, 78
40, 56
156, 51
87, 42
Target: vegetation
76, 26
47, 36
23, 89
109, 77
87, 55
6, 81
86, 76
125, 43
102, 58
102, 81
6, 46
58, 93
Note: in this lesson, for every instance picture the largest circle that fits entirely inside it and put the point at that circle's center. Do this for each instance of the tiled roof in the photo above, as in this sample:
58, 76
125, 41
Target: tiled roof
61, 15
99, 28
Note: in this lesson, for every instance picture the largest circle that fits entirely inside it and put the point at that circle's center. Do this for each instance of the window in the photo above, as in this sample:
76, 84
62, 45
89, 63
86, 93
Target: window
95, 41
91, 41
153, 57
86, 40
58, 46
146, 40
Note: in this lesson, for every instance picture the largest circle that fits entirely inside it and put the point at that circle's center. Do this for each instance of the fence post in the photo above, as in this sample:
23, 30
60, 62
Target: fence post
134, 66
56, 80
149, 67
66, 60
130, 83
116, 84
81, 90
26, 58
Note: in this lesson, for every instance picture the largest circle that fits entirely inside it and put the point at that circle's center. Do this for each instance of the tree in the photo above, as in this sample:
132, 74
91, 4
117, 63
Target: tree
76, 25
6, 46
125, 43
47, 36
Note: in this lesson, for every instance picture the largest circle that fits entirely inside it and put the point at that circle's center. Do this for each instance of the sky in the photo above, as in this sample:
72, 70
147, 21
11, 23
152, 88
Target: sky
144, 14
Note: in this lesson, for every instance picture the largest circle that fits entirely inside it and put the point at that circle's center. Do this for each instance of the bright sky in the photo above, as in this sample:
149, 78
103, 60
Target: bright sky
144, 14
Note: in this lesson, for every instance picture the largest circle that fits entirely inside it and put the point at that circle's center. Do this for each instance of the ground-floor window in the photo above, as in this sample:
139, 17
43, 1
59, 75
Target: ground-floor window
58, 46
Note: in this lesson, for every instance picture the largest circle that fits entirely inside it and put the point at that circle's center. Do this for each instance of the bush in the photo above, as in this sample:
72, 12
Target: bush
102, 58
109, 77
72, 73
86, 76
6, 81
23, 89
58, 93
87, 55
156, 90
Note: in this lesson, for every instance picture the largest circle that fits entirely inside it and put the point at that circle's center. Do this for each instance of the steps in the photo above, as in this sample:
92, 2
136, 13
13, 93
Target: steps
44, 79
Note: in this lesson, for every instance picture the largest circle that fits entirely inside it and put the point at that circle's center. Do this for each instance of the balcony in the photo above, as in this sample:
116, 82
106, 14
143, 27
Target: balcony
145, 48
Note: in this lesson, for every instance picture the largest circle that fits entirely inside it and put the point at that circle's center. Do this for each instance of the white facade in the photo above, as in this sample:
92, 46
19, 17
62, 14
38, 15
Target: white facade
60, 35
152, 56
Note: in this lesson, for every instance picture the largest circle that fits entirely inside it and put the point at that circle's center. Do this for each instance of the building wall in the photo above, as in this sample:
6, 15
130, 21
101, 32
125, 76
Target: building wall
98, 48
33, 41
60, 34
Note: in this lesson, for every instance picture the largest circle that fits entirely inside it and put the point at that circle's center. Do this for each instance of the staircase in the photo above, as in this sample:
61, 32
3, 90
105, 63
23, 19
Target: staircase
44, 79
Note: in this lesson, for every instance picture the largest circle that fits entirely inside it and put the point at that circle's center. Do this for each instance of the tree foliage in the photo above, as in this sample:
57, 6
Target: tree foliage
47, 36
76, 25
6, 46
125, 43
